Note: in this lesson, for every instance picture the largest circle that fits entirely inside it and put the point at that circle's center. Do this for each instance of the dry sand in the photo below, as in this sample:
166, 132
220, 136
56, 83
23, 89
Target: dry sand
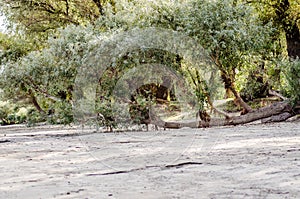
250, 161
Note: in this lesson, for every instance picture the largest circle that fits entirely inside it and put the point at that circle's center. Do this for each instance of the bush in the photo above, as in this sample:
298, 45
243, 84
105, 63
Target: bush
62, 113
255, 86
11, 113
292, 75
34, 117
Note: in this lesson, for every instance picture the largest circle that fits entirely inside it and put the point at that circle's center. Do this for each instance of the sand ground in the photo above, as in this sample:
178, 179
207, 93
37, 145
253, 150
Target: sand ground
250, 161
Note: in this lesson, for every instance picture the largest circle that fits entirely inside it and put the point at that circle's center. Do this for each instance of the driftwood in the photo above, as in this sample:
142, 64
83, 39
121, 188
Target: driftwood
275, 112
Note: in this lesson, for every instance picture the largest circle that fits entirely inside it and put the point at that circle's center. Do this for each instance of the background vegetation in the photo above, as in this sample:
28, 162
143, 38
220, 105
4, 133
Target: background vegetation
254, 44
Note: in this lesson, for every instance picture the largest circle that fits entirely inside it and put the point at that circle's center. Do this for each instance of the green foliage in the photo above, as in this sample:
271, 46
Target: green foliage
44, 15
34, 117
200, 88
107, 109
62, 113
234, 36
12, 113
227, 31
282, 13
13, 47
292, 75
139, 106
49, 74
140, 109
255, 85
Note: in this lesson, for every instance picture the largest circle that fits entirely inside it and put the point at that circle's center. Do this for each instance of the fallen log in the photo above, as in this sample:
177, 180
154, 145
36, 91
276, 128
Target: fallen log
277, 118
279, 111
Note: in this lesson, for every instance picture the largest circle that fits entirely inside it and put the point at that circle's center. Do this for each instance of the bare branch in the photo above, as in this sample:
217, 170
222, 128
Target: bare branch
274, 93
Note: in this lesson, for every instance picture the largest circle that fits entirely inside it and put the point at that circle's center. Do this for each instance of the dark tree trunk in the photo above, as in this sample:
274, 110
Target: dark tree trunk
240, 101
290, 27
293, 41
100, 6
230, 88
227, 85
35, 103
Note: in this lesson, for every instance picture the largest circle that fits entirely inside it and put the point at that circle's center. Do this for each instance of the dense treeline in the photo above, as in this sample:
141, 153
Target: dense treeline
254, 45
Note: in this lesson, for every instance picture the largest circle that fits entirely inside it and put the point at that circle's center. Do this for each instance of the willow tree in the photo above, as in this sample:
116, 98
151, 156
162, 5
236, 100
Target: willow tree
231, 33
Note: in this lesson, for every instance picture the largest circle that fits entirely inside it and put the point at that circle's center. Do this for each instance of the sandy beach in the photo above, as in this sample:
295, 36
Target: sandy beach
249, 161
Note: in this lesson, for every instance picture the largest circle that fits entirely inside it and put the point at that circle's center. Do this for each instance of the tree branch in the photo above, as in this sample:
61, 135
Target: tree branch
274, 93
39, 90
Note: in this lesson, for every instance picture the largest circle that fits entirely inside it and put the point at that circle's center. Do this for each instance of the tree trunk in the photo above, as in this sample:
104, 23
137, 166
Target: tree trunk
100, 7
279, 111
227, 84
240, 101
277, 118
229, 87
35, 103
290, 27
292, 35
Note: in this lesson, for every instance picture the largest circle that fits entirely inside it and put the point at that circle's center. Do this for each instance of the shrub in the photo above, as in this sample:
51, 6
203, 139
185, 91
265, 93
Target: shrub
292, 75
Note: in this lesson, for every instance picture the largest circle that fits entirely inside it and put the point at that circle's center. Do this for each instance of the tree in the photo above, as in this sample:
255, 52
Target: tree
40, 16
235, 39
46, 77
285, 15
231, 33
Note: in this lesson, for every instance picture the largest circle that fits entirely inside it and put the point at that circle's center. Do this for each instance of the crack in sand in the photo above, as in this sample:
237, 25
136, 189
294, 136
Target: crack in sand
4, 141
162, 167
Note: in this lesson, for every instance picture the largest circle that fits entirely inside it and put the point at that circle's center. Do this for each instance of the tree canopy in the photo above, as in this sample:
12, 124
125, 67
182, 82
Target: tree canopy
285, 16
41, 16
